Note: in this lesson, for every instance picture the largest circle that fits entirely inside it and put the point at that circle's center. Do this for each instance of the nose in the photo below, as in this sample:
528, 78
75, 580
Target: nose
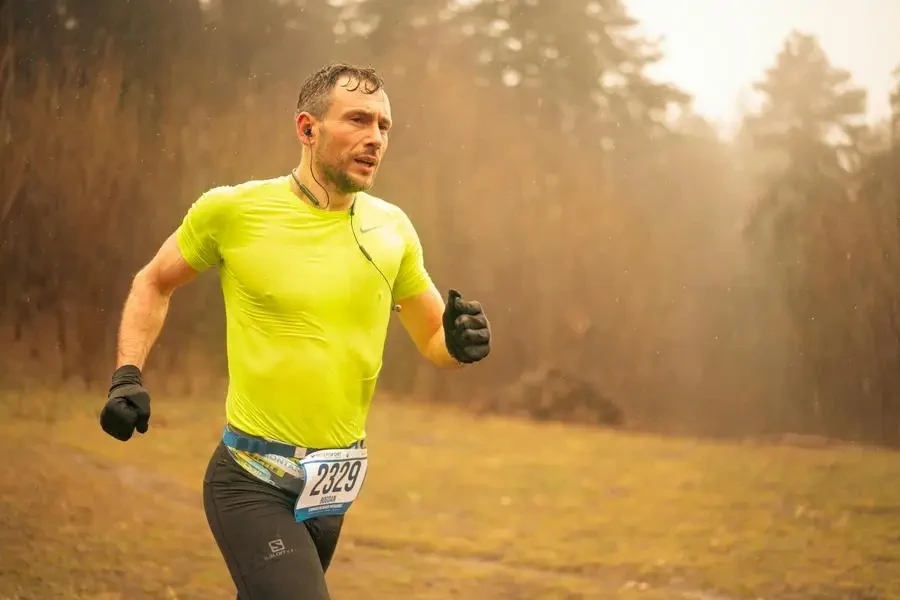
376, 138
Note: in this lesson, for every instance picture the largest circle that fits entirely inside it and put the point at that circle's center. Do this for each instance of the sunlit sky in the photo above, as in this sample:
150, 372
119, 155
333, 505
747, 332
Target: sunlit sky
716, 48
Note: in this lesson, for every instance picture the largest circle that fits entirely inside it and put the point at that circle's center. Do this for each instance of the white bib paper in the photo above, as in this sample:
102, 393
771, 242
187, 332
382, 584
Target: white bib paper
333, 479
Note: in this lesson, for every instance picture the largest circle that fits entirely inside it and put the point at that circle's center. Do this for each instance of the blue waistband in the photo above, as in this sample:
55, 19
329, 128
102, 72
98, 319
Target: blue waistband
239, 440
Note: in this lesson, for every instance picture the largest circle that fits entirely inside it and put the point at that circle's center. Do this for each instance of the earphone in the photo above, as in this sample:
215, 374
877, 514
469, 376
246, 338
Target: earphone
394, 306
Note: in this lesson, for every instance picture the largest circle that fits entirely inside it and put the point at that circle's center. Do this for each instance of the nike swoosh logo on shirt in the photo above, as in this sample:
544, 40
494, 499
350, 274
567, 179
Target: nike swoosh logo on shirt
368, 229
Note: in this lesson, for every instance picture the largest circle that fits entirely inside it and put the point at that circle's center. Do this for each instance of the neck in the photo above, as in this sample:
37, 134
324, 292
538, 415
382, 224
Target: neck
309, 189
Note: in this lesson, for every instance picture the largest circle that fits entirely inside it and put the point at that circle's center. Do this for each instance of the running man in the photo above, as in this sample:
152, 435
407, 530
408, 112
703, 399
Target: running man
312, 267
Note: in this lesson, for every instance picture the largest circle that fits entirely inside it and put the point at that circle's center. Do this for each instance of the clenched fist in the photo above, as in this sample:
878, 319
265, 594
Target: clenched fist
127, 406
467, 332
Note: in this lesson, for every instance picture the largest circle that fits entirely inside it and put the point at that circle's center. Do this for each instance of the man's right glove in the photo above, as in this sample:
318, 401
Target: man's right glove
128, 405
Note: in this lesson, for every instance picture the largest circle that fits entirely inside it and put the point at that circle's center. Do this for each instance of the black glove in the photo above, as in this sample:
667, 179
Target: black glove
128, 405
467, 332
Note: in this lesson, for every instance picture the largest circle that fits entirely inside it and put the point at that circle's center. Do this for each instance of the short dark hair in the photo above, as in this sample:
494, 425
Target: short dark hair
315, 93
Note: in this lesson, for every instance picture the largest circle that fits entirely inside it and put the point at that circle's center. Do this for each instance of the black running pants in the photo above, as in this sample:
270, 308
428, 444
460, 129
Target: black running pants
269, 555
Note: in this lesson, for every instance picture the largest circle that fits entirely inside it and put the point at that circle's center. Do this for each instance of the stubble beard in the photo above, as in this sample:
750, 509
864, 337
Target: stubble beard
339, 178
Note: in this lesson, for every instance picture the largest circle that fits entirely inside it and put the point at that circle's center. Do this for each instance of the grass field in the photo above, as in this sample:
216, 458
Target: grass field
456, 507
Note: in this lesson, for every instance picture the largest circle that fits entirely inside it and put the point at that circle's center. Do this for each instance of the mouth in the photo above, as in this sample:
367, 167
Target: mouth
366, 161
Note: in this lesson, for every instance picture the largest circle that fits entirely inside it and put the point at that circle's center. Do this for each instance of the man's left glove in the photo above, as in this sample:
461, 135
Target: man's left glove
467, 332
127, 406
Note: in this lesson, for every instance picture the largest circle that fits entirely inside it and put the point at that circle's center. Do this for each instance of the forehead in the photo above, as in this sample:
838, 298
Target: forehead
350, 94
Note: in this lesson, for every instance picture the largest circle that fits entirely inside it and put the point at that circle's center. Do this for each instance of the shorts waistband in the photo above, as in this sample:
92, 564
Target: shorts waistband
239, 440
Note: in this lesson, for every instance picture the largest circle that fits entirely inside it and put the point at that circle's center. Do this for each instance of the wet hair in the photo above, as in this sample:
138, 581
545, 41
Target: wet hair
315, 93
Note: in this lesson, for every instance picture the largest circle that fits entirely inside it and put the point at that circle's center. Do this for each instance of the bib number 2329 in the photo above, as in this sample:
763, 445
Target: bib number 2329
333, 479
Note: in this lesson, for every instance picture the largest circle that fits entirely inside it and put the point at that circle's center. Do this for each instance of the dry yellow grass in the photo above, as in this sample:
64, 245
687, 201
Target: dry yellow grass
456, 506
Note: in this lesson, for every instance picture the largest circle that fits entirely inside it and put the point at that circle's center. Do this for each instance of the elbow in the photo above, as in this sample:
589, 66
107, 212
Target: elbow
144, 279
146, 282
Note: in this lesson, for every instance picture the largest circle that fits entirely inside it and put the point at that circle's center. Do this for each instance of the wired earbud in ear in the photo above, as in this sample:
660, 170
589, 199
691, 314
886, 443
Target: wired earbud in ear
307, 131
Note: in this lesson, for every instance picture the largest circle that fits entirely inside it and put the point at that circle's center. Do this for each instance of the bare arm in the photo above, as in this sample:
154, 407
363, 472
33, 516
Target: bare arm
421, 316
148, 303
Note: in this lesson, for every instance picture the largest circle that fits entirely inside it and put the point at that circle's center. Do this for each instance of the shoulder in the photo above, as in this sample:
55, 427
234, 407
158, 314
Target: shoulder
388, 211
245, 191
225, 200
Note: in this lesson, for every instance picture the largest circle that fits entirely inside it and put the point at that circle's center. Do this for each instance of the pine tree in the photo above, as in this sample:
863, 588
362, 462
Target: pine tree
808, 133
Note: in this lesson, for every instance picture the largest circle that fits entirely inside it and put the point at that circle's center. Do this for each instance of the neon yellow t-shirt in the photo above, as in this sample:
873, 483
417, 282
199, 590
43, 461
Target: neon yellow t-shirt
306, 312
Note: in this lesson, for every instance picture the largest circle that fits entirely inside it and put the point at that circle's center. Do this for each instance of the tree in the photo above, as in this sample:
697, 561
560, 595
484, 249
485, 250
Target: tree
816, 223
895, 110
803, 130
575, 63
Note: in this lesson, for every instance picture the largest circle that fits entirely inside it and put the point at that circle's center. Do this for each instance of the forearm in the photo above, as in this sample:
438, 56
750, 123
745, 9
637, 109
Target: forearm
142, 319
436, 352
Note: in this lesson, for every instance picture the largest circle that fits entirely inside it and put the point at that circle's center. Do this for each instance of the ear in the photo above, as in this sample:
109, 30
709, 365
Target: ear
305, 128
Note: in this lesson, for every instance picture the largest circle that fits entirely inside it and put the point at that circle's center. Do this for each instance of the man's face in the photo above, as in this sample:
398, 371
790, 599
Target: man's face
353, 137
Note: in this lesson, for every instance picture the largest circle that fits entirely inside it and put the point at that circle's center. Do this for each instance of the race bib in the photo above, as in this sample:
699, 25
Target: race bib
333, 479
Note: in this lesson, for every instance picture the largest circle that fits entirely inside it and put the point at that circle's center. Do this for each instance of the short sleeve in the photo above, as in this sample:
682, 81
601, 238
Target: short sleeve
200, 230
412, 278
